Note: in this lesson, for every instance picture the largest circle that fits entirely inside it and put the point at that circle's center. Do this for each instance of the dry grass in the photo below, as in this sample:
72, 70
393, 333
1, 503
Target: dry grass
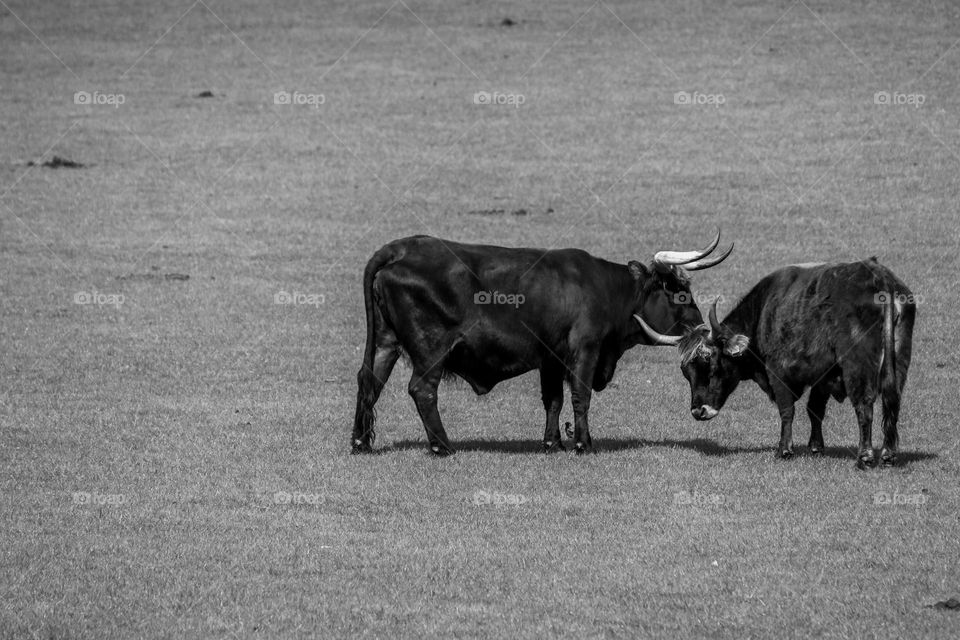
198, 401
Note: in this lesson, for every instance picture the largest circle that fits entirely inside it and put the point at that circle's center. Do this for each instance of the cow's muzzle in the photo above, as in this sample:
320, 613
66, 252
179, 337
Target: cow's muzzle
703, 412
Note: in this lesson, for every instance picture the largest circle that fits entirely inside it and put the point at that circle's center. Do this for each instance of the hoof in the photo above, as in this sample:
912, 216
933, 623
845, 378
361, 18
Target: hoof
441, 451
359, 446
785, 454
888, 458
553, 447
816, 448
582, 448
866, 460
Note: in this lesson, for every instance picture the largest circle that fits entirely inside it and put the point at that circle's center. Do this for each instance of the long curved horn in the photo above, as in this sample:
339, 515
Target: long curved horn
696, 265
716, 329
668, 258
658, 338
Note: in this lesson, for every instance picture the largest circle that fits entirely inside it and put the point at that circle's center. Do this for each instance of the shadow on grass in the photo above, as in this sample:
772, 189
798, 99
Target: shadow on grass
700, 445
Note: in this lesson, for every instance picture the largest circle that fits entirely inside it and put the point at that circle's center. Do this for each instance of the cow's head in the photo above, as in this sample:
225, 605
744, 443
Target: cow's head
666, 308
711, 359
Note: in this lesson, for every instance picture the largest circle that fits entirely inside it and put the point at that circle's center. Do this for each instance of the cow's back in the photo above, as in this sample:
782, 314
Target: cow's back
814, 318
439, 281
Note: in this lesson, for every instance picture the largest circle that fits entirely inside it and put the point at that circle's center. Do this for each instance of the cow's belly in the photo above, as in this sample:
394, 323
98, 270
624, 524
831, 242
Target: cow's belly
806, 359
804, 371
484, 366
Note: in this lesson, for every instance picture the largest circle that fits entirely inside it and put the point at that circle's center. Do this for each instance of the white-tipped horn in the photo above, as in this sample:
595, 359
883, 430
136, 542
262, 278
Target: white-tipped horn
669, 258
703, 263
716, 329
658, 338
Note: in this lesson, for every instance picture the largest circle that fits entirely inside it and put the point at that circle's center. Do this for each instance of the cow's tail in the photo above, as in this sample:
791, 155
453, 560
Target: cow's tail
368, 384
888, 369
379, 260
890, 384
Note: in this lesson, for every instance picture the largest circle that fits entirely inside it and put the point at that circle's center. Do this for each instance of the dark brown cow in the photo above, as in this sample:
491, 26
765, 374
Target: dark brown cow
839, 329
487, 313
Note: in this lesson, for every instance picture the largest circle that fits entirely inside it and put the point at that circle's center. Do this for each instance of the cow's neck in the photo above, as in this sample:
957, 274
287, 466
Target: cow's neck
630, 332
744, 320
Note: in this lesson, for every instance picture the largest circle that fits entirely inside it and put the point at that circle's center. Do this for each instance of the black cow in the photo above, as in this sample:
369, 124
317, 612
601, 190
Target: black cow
840, 329
487, 313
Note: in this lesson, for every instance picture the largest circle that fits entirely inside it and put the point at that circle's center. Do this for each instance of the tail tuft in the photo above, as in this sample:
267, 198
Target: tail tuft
368, 387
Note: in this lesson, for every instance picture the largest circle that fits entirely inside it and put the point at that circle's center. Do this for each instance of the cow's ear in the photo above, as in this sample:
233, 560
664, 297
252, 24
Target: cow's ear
637, 270
736, 345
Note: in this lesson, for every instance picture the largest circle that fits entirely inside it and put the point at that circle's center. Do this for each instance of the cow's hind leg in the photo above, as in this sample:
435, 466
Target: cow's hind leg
891, 414
423, 389
862, 396
864, 411
370, 382
816, 406
551, 388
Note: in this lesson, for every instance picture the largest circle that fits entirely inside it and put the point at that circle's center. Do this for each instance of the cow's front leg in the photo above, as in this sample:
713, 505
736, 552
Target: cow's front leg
785, 397
580, 392
551, 389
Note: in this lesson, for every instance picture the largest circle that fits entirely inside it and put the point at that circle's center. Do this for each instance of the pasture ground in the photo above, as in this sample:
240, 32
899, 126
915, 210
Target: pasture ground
175, 464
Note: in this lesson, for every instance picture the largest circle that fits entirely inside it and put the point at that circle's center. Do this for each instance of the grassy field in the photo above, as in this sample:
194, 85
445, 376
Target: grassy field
174, 452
